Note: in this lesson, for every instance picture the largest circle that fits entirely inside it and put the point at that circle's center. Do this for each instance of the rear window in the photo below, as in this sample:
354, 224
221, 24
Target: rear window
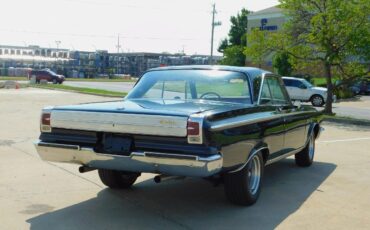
193, 85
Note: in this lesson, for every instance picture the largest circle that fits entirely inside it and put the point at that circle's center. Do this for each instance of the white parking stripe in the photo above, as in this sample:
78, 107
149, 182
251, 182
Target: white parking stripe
345, 140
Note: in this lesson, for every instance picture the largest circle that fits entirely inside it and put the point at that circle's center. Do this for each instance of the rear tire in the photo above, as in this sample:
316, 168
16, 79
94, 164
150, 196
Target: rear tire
305, 157
243, 187
317, 100
117, 179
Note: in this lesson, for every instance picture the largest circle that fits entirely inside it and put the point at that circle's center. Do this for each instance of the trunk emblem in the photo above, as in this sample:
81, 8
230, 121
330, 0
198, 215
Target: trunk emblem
167, 122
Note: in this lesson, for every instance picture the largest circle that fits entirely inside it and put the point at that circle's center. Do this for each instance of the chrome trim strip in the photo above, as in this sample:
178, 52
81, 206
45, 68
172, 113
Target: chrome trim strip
153, 162
54, 145
249, 158
120, 123
276, 159
249, 119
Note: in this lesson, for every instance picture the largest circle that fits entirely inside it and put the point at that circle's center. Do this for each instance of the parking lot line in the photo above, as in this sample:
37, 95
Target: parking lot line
345, 140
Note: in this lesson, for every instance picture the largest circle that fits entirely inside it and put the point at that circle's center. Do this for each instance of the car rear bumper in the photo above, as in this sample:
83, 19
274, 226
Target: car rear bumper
153, 162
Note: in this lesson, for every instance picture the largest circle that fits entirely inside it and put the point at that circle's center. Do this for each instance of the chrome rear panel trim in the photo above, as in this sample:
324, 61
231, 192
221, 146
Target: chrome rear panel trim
120, 123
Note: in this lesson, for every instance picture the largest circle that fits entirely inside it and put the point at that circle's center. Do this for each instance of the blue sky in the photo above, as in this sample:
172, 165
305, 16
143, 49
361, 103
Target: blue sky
143, 25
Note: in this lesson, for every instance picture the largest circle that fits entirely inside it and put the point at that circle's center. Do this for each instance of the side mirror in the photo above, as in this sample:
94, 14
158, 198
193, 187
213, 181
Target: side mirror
302, 86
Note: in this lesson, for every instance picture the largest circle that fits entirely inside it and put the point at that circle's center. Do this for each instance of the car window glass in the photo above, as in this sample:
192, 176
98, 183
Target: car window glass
287, 82
296, 83
265, 94
235, 87
276, 90
168, 90
256, 87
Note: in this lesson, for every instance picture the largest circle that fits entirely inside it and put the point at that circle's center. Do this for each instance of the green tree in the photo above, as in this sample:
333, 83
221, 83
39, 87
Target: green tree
223, 45
233, 46
233, 55
238, 30
258, 46
281, 64
333, 32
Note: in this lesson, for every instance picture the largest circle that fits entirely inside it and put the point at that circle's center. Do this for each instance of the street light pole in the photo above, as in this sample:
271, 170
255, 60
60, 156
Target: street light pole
118, 47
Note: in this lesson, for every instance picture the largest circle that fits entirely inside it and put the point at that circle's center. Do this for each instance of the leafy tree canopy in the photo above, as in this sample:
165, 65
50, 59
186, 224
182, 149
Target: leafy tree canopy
334, 34
233, 46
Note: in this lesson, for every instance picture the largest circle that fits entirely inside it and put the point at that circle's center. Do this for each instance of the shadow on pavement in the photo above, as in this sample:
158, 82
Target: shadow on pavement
191, 203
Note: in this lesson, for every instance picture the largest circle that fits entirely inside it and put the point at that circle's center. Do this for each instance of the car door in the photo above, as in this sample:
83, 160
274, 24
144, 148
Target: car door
293, 93
273, 130
294, 121
300, 90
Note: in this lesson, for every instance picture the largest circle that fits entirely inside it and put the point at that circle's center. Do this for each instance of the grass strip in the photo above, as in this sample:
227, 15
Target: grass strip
98, 92
100, 80
2, 78
346, 120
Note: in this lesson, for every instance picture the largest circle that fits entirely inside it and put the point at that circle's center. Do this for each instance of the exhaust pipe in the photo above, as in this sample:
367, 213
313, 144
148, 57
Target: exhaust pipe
162, 178
84, 169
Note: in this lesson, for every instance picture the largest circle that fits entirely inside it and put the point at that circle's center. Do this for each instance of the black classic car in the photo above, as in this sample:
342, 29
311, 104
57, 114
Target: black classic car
221, 123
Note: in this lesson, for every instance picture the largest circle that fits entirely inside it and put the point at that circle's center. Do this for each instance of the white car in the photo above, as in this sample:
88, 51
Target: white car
301, 90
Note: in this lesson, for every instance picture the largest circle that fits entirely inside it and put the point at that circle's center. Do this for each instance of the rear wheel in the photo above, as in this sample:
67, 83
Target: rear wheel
117, 179
305, 157
243, 187
317, 100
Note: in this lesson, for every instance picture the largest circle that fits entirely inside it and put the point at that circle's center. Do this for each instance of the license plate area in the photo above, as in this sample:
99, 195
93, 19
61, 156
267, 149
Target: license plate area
117, 144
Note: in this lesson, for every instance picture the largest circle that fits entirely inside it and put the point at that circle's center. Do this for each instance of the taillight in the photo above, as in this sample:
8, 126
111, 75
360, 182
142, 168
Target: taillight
194, 130
45, 122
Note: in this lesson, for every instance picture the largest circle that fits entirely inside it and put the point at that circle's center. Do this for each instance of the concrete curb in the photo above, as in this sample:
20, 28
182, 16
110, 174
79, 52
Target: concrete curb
348, 121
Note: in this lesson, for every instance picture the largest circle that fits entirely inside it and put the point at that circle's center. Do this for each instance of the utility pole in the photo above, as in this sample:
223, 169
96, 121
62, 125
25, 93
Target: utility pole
118, 47
56, 55
214, 12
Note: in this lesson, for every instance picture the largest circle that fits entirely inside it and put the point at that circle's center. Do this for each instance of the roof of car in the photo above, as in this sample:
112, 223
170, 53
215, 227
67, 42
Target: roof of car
292, 78
251, 71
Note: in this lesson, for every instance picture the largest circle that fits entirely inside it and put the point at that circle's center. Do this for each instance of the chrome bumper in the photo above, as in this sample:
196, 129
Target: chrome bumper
153, 162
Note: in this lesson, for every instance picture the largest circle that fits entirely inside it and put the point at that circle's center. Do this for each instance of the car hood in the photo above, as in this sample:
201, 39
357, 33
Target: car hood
155, 107
321, 89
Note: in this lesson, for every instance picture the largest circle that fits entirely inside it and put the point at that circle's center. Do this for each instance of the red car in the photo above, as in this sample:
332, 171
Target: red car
47, 75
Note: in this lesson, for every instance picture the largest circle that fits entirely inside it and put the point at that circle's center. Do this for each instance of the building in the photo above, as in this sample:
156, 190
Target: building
270, 19
74, 63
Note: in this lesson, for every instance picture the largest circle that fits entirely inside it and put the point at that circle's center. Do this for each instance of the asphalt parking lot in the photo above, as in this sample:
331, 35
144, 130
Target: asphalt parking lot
332, 194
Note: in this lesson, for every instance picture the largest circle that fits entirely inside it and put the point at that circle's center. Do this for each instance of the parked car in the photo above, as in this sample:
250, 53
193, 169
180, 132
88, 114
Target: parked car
301, 90
364, 86
221, 123
47, 75
361, 86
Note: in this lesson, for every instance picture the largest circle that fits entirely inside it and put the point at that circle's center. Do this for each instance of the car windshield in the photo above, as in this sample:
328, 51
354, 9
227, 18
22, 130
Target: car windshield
306, 83
51, 72
215, 85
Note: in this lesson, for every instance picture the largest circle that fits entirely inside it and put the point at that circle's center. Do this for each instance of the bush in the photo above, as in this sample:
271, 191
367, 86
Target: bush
343, 93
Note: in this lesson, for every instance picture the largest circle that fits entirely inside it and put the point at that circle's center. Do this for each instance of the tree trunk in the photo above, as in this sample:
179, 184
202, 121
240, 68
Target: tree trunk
329, 86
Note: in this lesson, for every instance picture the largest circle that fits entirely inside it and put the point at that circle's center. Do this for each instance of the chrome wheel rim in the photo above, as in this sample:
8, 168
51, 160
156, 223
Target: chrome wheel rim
317, 100
311, 147
254, 174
